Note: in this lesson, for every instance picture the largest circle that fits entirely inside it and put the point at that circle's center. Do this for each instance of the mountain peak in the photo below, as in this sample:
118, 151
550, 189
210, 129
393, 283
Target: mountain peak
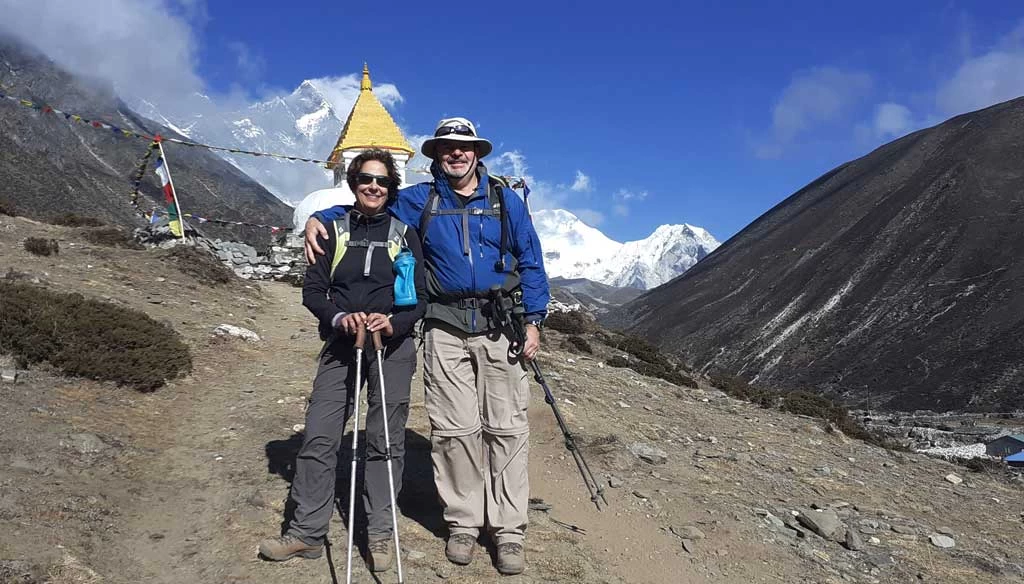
573, 249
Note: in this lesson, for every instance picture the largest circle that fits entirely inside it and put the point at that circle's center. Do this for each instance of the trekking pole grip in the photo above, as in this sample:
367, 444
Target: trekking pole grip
360, 338
377, 344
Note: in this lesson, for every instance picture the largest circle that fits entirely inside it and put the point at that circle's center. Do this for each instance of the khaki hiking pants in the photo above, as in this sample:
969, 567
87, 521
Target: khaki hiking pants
476, 397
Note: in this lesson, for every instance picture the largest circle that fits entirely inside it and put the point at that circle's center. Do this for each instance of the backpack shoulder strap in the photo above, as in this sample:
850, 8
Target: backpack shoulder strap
429, 209
396, 238
341, 237
496, 186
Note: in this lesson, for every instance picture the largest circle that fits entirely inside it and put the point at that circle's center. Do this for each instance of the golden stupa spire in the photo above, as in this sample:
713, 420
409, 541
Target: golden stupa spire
369, 125
366, 85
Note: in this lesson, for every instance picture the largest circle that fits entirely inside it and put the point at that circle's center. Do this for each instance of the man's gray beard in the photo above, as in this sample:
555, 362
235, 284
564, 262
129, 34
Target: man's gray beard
469, 171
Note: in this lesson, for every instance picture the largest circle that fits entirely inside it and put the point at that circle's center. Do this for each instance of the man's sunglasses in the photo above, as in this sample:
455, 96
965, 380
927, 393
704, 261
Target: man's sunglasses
382, 181
460, 129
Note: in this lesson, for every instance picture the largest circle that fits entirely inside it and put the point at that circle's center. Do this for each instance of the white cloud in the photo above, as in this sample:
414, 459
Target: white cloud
250, 65
983, 81
812, 98
582, 183
892, 120
623, 200
628, 195
115, 40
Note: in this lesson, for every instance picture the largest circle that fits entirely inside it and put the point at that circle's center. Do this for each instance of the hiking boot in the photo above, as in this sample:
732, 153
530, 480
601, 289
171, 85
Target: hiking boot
510, 558
380, 554
460, 548
286, 547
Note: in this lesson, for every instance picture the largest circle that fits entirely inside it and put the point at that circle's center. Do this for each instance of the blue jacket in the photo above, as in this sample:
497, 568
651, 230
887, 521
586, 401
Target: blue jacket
443, 246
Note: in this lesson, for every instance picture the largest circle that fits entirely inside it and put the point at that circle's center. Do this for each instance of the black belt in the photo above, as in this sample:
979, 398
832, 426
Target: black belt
467, 303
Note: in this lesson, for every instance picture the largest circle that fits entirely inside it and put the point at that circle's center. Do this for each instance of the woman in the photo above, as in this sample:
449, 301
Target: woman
345, 294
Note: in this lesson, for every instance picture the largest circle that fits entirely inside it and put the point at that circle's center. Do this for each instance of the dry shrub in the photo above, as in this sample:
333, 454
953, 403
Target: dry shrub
578, 344
111, 237
572, 322
738, 388
7, 207
88, 338
75, 220
670, 375
201, 265
42, 247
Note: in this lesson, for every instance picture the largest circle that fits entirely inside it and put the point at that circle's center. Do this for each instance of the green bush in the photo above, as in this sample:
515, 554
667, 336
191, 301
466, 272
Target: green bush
201, 265
573, 322
111, 237
7, 208
75, 220
42, 247
88, 338
579, 344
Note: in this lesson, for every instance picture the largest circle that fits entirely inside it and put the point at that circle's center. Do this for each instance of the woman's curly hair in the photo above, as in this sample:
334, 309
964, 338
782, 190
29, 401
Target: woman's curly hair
382, 156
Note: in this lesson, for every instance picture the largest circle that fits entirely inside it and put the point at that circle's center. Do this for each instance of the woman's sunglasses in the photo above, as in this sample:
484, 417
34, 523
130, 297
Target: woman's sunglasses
382, 181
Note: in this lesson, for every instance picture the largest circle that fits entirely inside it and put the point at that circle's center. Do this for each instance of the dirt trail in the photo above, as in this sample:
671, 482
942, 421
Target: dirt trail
101, 484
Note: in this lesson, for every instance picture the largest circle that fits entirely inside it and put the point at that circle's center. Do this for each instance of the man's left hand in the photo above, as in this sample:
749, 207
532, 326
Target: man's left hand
532, 346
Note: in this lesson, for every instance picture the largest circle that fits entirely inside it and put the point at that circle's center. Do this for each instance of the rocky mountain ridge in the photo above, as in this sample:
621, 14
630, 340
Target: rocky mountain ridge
891, 282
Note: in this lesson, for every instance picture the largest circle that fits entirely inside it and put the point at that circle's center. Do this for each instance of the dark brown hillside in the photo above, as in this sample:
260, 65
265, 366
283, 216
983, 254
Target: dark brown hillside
892, 281
50, 167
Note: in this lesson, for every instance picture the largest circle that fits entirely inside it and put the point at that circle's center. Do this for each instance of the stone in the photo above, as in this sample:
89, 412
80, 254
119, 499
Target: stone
825, 523
648, 453
853, 541
641, 494
904, 530
953, 479
227, 330
84, 443
942, 541
615, 482
688, 532
740, 457
415, 555
8, 376
689, 546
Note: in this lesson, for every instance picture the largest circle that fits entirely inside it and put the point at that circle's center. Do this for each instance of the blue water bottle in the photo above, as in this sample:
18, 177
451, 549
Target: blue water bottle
405, 284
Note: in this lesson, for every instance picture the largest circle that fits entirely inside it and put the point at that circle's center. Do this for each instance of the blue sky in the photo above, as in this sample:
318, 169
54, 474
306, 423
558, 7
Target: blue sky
631, 114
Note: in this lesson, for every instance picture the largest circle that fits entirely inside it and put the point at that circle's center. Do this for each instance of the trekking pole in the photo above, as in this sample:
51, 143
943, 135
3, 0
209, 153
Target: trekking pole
594, 487
379, 347
505, 312
360, 341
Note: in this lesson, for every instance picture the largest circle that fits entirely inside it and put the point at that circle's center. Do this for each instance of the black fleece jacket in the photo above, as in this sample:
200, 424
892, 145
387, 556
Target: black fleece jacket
350, 290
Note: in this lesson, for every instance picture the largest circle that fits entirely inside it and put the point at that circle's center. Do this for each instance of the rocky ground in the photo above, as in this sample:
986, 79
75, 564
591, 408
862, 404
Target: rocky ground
101, 484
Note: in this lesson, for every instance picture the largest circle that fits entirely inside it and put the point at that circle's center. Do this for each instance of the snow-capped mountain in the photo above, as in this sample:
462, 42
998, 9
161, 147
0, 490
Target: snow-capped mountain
305, 123
573, 249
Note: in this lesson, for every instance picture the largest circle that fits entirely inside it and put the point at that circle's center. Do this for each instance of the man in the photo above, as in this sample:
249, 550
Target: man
477, 390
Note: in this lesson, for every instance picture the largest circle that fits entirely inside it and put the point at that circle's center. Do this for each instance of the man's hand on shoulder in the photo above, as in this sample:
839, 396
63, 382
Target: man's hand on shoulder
313, 249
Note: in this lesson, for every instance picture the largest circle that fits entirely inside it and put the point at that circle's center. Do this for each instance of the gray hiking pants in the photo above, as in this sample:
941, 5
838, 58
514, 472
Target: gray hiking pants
329, 408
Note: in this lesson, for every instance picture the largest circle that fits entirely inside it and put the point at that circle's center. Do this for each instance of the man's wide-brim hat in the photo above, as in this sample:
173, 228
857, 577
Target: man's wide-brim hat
456, 130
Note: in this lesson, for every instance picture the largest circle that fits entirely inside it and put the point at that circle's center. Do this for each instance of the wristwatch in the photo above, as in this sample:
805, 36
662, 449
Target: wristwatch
539, 323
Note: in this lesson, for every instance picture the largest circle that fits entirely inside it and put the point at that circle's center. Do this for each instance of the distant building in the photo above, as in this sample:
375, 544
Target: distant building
1005, 446
1016, 459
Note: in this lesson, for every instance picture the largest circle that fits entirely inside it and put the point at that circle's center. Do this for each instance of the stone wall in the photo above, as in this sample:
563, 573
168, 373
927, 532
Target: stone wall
283, 260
